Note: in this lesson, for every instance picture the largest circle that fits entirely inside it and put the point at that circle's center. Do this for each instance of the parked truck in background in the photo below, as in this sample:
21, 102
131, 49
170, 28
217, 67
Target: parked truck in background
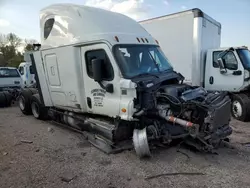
10, 78
10, 85
191, 41
111, 80
26, 70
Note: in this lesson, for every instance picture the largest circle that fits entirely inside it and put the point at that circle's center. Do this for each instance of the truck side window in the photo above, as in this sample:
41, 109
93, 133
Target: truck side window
99, 54
229, 60
215, 57
21, 70
48, 27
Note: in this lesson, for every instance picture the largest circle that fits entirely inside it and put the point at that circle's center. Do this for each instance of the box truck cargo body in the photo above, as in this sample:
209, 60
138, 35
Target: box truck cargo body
191, 40
185, 38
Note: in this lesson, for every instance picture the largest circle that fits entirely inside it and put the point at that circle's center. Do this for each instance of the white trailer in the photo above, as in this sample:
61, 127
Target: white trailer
191, 40
102, 73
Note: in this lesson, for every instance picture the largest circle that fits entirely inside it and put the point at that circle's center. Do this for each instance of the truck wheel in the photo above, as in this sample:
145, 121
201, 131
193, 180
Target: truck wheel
33, 90
2, 99
240, 108
37, 108
8, 97
24, 101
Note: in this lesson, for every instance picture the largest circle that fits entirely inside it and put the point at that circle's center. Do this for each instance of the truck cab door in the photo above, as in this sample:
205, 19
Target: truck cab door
98, 99
229, 79
22, 73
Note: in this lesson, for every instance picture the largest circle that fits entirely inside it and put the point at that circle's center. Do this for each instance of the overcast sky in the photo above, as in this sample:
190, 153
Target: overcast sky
22, 16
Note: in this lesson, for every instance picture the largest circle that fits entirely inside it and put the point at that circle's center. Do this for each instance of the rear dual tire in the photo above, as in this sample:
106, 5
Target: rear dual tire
2, 100
38, 109
5, 99
24, 100
30, 103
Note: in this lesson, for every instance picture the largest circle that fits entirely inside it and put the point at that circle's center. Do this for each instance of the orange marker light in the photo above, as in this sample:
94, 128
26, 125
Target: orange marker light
124, 110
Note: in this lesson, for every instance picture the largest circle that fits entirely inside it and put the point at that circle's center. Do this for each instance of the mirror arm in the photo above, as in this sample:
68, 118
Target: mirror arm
223, 53
102, 86
109, 87
223, 71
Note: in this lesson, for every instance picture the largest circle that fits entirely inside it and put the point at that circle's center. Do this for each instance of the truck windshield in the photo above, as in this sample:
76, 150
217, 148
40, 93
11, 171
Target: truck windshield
5, 73
137, 60
244, 55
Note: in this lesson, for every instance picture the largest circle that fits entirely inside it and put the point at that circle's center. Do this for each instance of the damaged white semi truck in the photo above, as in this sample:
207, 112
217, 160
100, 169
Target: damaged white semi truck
102, 73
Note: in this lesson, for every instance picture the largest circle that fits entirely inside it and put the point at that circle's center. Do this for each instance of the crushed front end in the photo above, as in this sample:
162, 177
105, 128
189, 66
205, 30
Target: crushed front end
179, 111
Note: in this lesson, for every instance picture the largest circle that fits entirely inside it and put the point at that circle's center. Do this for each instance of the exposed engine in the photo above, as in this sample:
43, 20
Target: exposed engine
177, 111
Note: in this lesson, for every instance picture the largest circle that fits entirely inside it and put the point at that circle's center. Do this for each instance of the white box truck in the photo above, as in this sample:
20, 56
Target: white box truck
102, 73
191, 41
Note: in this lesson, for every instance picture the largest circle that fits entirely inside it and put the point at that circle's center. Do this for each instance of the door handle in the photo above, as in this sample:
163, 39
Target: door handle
89, 102
52, 71
211, 80
237, 73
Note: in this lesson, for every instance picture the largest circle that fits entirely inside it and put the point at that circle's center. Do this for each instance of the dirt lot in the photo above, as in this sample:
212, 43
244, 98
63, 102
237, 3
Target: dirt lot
40, 154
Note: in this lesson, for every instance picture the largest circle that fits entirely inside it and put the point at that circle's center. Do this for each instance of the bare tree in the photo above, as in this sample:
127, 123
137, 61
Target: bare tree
30, 41
14, 40
3, 40
8, 48
3, 63
29, 44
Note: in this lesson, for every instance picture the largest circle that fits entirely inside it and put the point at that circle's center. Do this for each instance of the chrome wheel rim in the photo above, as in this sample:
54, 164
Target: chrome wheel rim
237, 109
21, 103
35, 109
140, 142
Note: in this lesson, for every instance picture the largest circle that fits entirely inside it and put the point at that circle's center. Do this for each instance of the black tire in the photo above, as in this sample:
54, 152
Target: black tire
38, 109
240, 107
2, 100
8, 97
33, 90
24, 100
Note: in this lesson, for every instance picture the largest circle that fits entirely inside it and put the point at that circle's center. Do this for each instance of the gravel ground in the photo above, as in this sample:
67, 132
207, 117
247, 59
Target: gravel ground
39, 154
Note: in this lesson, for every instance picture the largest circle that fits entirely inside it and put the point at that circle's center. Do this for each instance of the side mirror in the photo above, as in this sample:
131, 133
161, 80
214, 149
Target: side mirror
97, 65
220, 63
222, 66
